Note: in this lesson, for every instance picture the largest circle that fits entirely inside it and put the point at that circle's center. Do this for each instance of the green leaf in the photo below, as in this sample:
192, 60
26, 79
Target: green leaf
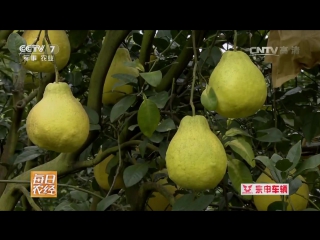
163, 149
238, 174
14, 42
156, 137
143, 146
277, 206
153, 78
294, 185
275, 158
310, 125
236, 131
93, 115
166, 125
107, 202
75, 78
160, 99
132, 127
78, 195
62, 206
183, 203
273, 135
113, 163
164, 33
121, 107
161, 44
148, 117
28, 154
135, 64
283, 164
209, 99
266, 161
244, 149
294, 155
270, 164
133, 174
86, 153
123, 79
211, 56
202, 202
95, 127
83, 206
77, 37
310, 163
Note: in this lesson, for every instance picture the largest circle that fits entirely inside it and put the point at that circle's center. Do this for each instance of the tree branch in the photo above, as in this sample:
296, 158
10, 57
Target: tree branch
26, 193
112, 41
64, 164
13, 136
107, 152
182, 61
146, 46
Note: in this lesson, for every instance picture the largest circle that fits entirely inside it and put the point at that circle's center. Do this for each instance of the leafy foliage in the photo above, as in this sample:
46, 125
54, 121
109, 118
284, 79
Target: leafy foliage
282, 136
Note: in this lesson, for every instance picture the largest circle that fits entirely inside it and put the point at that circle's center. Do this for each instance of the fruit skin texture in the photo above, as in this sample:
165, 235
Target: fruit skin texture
299, 203
196, 158
239, 85
58, 37
101, 176
58, 122
117, 67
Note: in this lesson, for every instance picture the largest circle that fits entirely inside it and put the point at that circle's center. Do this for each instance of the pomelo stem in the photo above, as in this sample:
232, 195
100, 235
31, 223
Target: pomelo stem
194, 72
46, 35
235, 40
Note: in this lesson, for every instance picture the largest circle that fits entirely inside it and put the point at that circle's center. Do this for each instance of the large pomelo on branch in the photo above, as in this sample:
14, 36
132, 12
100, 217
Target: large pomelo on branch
58, 122
196, 158
62, 51
239, 85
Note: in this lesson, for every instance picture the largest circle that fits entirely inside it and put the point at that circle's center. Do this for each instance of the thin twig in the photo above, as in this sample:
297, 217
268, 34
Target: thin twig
23, 102
118, 169
53, 56
194, 72
161, 54
26, 193
235, 38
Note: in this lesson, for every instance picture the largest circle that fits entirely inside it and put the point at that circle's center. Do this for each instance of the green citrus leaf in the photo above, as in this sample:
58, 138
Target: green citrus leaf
244, 149
209, 99
107, 202
148, 117
133, 174
153, 78
121, 107
239, 173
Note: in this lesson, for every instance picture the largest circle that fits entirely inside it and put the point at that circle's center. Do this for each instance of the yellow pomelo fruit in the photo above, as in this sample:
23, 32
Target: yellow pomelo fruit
299, 203
58, 122
31, 82
158, 202
117, 67
101, 175
196, 158
239, 85
62, 52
